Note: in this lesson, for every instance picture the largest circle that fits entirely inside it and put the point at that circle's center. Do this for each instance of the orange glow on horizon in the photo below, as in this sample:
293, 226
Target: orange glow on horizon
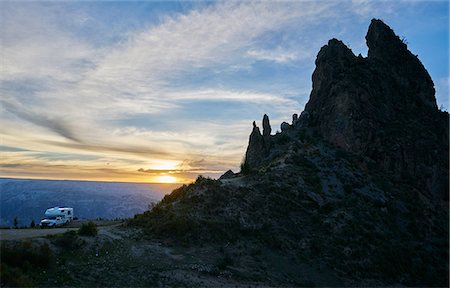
167, 179
151, 180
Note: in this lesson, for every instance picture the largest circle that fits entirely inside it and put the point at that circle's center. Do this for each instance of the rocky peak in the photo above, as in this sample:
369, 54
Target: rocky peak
381, 107
255, 148
266, 126
383, 43
333, 59
335, 52
258, 145
388, 49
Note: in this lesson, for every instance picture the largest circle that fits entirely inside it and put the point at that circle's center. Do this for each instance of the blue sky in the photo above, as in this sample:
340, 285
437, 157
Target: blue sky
107, 90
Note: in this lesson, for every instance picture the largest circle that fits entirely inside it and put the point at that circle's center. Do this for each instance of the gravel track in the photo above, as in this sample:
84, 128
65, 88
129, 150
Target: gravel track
19, 234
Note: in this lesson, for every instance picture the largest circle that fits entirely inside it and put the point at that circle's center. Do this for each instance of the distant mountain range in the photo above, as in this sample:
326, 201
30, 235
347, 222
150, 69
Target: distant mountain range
28, 199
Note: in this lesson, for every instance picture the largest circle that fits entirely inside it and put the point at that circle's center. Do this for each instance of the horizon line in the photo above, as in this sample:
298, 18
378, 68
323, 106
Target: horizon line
84, 180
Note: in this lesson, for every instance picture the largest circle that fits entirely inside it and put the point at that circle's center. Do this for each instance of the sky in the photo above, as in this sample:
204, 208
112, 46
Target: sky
146, 91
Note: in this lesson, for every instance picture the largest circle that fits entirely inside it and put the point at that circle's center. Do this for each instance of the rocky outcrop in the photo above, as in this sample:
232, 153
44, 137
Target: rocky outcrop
227, 175
255, 148
258, 145
284, 126
266, 126
294, 118
407, 70
382, 107
369, 205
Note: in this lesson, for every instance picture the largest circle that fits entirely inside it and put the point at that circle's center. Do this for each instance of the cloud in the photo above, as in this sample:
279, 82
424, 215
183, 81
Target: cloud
141, 151
230, 95
55, 124
11, 149
144, 66
34, 46
196, 78
278, 55
136, 75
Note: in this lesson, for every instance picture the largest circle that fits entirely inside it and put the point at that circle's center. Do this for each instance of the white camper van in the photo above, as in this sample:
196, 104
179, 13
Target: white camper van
57, 216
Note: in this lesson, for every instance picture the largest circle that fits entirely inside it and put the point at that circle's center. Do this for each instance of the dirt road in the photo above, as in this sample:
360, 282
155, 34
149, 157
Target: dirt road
17, 234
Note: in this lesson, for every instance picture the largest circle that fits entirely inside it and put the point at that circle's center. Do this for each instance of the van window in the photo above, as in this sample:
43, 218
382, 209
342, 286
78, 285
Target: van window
68, 212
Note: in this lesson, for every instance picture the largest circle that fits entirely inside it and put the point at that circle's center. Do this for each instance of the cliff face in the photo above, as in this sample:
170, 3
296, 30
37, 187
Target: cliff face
381, 108
357, 185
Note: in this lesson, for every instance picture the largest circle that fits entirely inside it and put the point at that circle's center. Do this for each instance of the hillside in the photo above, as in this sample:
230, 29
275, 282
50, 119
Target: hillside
353, 192
355, 187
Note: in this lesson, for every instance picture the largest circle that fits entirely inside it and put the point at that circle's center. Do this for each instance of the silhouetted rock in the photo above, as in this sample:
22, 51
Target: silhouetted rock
358, 183
382, 107
284, 126
227, 175
256, 148
266, 126
294, 118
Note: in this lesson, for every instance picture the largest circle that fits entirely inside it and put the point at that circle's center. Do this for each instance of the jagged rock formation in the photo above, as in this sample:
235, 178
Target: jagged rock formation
382, 107
266, 126
256, 147
355, 186
294, 118
259, 145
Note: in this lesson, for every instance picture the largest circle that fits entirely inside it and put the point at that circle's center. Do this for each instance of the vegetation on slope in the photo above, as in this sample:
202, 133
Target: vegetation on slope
317, 203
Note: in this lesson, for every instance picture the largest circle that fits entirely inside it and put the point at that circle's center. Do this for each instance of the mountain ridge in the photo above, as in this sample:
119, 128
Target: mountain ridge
357, 184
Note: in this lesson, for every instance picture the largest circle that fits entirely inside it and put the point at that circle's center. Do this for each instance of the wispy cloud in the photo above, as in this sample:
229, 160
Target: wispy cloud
278, 55
182, 88
230, 95
55, 124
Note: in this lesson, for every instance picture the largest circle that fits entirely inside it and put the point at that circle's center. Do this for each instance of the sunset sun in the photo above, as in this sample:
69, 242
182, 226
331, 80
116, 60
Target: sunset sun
167, 179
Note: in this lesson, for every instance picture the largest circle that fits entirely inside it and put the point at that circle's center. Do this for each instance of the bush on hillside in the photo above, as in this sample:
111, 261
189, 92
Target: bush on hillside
89, 229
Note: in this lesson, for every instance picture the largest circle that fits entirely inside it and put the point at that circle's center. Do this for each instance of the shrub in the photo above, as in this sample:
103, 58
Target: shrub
176, 194
205, 181
19, 260
68, 241
25, 255
89, 229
